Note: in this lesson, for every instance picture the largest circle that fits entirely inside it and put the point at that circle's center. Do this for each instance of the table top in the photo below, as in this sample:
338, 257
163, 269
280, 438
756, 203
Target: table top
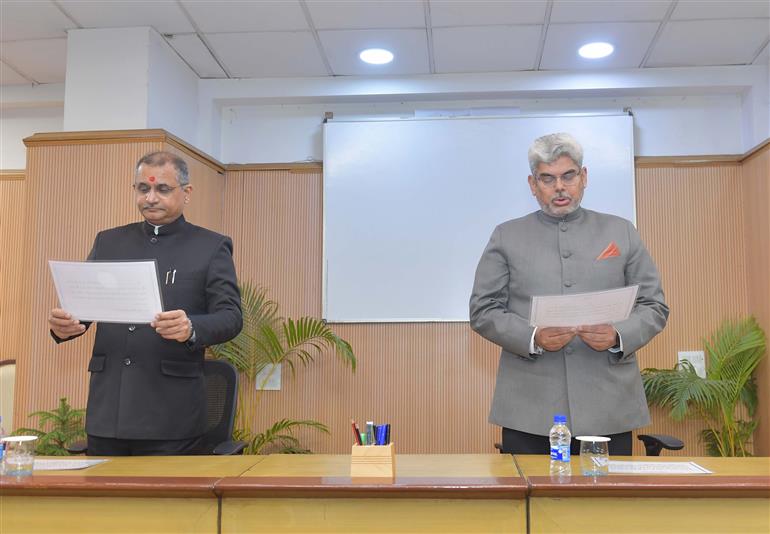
462, 475
731, 477
489, 476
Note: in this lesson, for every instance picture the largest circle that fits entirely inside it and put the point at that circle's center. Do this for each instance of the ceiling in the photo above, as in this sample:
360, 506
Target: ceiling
260, 38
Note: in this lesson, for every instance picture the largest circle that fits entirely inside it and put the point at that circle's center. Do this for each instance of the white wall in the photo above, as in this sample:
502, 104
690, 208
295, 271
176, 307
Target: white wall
173, 91
18, 123
665, 126
679, 111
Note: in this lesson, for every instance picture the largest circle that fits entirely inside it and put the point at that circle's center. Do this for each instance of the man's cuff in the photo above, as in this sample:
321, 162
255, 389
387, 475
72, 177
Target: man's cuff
618, 348
534, 349
193, 337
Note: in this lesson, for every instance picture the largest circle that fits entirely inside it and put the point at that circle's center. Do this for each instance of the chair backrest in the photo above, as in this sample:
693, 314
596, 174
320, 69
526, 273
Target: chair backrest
7, 379
221, 394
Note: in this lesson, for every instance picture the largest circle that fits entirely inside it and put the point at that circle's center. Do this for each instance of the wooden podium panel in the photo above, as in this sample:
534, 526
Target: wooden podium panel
126, 494
735, 498
430, 493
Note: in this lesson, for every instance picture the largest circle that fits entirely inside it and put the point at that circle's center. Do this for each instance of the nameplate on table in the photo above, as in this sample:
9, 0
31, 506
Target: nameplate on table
55, 464
656, 468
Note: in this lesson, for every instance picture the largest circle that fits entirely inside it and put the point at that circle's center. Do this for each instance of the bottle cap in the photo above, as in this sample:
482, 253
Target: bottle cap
559, 418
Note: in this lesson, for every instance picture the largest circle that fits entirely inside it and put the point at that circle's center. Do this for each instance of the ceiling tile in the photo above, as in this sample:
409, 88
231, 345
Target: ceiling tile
709, 42
708, 9
165, 17
195, 53
454, 13
8, 76
631, 40
485, 48
329, 15
32, 20
240, 16
410, 48
44, 60
603, 11
268, 54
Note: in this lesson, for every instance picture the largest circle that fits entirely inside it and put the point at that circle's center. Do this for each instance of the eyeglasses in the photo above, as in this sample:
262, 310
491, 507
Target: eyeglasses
161, 190
568, 178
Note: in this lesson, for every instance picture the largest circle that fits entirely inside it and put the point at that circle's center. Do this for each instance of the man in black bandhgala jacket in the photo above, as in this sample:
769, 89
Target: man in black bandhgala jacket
146, 393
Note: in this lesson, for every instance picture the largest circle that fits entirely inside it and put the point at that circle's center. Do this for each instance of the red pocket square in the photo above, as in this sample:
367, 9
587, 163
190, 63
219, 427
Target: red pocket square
611, 251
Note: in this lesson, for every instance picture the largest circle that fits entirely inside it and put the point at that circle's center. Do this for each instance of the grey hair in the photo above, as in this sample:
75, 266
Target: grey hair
551, 147
159, 159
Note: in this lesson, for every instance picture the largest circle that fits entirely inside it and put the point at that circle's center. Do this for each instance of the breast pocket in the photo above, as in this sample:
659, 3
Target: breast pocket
185, 290
609, 273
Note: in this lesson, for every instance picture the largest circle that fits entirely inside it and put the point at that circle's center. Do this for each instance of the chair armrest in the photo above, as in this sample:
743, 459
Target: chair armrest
654, 443
227, 448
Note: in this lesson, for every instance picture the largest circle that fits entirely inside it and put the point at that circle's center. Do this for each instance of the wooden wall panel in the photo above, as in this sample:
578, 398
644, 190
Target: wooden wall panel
756, 179
13, 305
274, 218
690, 219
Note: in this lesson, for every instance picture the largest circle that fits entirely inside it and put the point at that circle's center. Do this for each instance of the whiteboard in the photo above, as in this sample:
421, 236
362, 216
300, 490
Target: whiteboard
410, 204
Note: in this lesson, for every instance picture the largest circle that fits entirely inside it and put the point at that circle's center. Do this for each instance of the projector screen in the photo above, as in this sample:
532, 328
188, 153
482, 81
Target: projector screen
409, 205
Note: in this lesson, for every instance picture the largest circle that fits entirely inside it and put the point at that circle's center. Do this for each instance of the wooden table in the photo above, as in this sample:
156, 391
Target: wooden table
431, 493
735, 498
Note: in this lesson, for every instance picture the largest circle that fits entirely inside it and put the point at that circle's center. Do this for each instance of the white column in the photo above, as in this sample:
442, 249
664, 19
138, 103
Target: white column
128, 78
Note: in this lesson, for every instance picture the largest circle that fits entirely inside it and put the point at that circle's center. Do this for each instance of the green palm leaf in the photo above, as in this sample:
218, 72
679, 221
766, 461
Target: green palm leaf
682, 388
734, 351
268, 339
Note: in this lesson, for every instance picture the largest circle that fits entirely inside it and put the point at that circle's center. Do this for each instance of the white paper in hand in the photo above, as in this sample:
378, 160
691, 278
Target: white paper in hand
598, 307
108, 292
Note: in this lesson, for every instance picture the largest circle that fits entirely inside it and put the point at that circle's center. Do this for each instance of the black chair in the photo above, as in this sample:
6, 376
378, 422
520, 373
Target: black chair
221, 401
653, 443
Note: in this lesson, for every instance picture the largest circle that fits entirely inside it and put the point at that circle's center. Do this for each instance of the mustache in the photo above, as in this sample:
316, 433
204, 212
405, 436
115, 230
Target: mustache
562, 196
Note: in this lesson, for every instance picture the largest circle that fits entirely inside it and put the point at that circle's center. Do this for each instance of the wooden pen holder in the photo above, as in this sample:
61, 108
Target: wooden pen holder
373, 461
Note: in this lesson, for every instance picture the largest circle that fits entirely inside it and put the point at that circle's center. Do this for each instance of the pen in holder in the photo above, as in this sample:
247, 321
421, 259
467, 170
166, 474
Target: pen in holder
373, 461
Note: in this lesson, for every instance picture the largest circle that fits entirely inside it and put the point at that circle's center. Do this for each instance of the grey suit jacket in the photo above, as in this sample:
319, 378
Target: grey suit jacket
600, 392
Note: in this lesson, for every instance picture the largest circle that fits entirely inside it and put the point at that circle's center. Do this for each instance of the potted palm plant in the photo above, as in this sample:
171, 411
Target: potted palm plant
724, 396
266, 342
58, 429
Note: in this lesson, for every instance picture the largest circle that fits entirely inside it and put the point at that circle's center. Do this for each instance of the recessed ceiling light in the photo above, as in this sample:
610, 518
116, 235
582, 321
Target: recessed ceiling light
376, 56
596, 50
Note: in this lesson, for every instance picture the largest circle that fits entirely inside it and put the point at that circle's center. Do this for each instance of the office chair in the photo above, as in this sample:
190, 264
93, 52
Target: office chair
653, 443
221, 401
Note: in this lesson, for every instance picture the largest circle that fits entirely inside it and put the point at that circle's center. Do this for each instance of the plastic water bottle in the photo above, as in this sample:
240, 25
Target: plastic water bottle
560, 437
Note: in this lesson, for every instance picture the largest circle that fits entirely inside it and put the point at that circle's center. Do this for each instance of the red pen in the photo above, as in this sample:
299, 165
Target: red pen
356, 432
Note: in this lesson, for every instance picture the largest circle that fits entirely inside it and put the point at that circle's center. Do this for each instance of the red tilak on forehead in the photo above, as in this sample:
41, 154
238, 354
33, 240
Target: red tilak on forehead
151, 178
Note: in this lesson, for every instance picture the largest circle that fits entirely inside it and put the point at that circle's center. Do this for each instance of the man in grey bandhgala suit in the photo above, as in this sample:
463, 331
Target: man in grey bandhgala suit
588, 373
